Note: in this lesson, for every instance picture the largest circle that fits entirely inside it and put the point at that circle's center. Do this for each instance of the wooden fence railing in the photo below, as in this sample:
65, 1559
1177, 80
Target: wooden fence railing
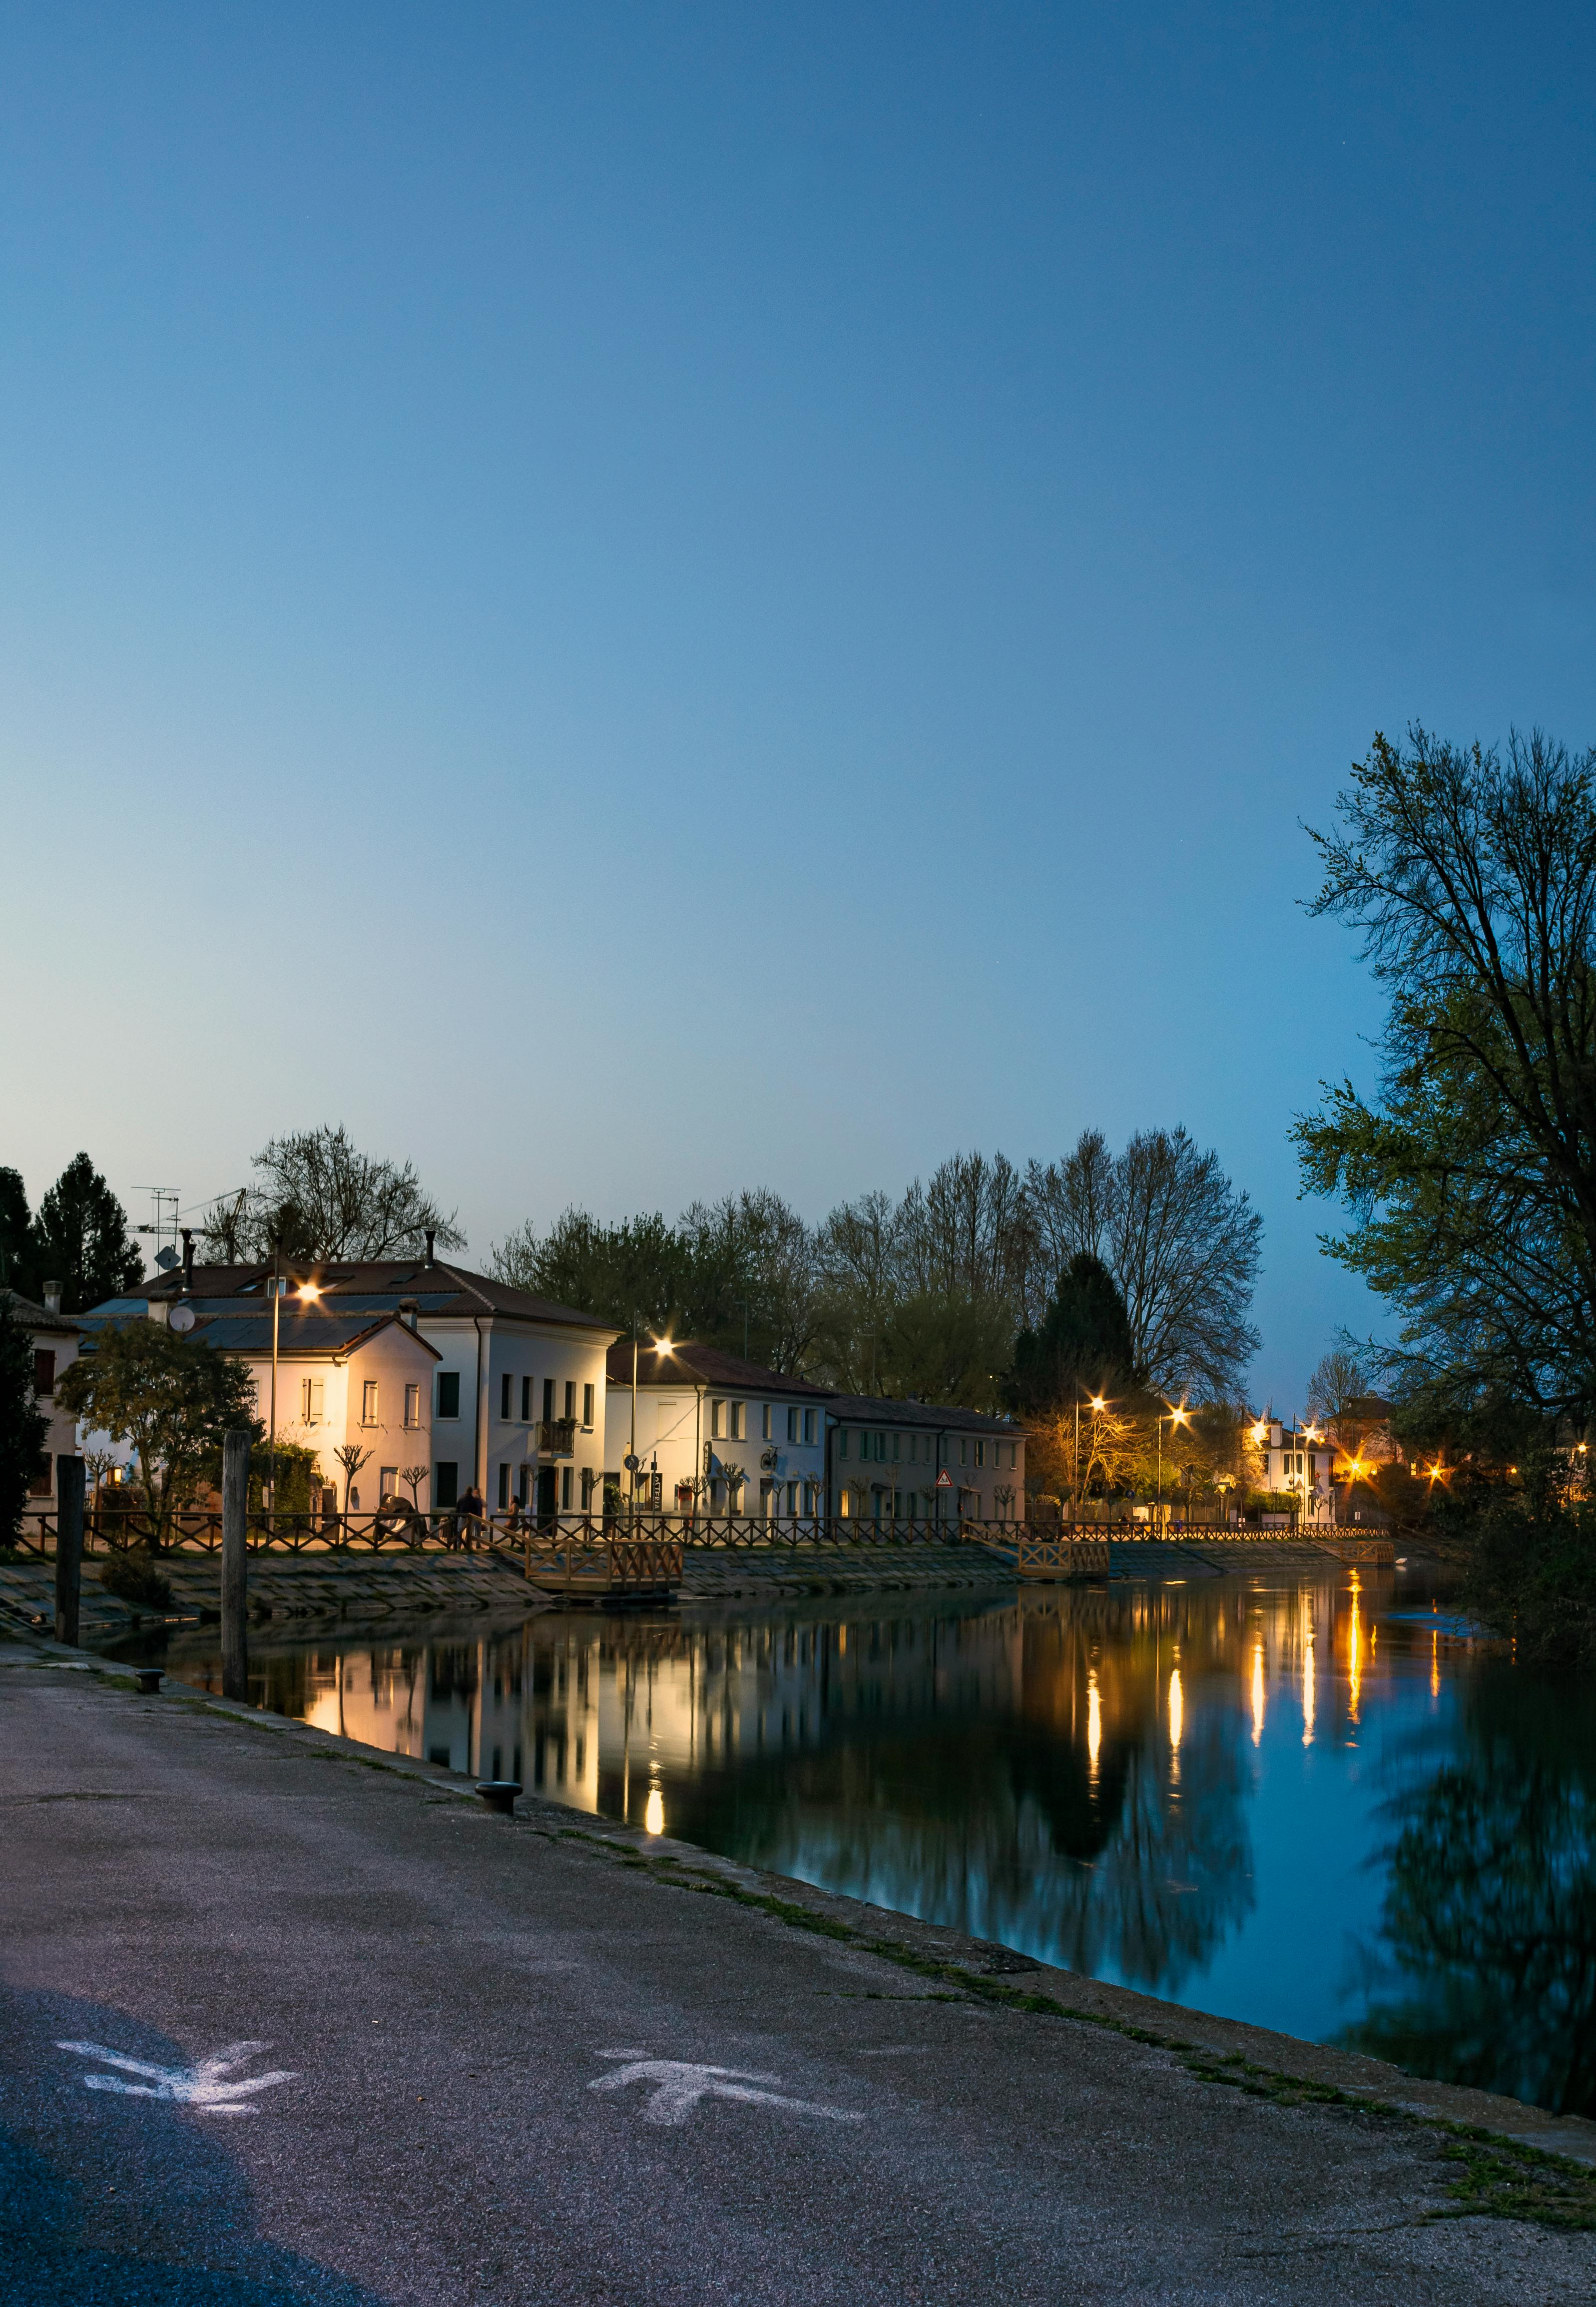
109, 1530
198, 1532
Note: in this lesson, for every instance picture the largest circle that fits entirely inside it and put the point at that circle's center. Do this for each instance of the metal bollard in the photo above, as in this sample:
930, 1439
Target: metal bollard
500, 1794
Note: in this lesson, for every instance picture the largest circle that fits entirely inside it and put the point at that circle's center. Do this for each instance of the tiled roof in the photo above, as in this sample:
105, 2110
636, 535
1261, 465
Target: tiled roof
380, 1283
33, 1316
250, 1331
706, 1365
871, 1409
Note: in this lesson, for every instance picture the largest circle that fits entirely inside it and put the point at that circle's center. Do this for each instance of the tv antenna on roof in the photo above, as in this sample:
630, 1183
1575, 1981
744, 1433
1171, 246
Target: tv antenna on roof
163, 1221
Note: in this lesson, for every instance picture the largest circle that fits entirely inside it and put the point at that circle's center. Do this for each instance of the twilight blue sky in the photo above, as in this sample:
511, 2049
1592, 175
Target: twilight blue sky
639, 599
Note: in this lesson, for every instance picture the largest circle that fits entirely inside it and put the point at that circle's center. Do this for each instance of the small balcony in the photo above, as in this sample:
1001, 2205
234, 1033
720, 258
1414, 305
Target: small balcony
555, 1437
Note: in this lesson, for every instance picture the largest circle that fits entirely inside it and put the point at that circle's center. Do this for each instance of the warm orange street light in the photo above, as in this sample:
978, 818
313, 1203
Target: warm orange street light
1176, 1418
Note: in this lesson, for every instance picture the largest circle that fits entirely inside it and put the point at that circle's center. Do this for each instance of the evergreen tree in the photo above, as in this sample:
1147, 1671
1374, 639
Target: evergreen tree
16, 1257
1083, 1346
81, 1240
22, 1427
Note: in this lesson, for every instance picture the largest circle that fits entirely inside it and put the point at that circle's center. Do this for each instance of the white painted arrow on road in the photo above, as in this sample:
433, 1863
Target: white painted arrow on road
679, 2085
201, 2086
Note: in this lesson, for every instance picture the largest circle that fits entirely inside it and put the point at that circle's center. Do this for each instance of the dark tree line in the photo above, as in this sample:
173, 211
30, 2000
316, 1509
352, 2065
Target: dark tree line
934, 1294
77, 1236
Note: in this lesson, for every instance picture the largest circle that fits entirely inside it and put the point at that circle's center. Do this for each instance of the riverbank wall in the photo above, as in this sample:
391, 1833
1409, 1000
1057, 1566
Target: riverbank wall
328, 1587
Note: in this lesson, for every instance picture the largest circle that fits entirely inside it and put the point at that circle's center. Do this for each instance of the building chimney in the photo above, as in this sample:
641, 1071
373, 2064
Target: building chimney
431, 1237
188, 1261
409, 1309
52, 1297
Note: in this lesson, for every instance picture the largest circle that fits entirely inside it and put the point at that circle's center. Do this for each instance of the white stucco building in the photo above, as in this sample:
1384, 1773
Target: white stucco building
515, 1384
54, 1338
1298, 1461
917, 1461
745, 1440
737, 1438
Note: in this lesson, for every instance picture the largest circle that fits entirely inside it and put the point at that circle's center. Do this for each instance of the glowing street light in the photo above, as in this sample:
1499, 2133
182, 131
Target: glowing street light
1099, 1403
1175, 1418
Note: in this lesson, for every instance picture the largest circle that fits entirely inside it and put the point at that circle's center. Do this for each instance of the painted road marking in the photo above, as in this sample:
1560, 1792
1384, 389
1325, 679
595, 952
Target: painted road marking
680, 2085
201, 2086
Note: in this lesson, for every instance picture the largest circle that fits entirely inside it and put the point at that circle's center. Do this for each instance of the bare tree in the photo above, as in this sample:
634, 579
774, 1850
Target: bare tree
323, 1199
967, 1229
1071, 1204
856, 1249
1181, 1242
752, 1250
1184, 1250
351, 1457
1340, 1378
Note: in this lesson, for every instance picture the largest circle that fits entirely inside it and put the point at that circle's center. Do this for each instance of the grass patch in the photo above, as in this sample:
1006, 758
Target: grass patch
1502, 2180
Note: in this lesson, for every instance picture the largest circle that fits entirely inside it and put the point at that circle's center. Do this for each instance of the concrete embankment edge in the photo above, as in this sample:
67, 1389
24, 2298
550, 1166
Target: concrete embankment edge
1221, 2050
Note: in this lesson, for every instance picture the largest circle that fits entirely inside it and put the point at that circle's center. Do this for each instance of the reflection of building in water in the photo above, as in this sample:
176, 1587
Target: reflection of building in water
1068, 1771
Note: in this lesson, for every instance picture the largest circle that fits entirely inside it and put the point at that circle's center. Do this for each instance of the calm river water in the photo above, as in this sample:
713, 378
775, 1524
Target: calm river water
1309, 1801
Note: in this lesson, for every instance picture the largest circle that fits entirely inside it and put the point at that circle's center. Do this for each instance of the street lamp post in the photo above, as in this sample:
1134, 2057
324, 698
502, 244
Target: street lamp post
1099, 1404
276, 1297
661, 1346
1175, 1418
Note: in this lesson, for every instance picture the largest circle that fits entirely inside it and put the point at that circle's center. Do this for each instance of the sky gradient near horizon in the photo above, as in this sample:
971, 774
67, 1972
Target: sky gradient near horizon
637, 601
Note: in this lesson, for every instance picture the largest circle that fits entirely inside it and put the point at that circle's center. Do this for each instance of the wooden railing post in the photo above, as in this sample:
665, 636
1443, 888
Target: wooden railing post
234, 1565
69, 1547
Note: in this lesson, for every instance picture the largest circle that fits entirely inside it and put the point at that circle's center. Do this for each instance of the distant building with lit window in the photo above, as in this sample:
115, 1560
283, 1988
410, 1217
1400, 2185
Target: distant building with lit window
740, 1439
711, 1429
1298, 1461
886, 1461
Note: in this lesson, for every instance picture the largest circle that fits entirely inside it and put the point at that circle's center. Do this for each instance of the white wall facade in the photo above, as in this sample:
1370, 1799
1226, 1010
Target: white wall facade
377, 1398
55, 1350
765, 1449
511, 1379
1301, 1460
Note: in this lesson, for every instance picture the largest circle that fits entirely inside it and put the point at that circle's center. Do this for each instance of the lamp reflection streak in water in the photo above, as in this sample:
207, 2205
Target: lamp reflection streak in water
1177, 1724
1094, 1726
1257, 1692
1354, 1657
1307, 1689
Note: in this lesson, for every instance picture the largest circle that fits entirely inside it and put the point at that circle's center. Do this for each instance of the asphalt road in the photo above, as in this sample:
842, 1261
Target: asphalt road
515, 2067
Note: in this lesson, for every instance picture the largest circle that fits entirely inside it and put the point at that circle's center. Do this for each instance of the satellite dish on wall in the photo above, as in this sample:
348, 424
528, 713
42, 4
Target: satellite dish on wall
180, 1318
168, 1258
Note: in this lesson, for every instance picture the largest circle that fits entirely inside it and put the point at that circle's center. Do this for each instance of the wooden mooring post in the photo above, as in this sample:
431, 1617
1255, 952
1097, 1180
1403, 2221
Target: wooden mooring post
69, 1547
234, 1565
